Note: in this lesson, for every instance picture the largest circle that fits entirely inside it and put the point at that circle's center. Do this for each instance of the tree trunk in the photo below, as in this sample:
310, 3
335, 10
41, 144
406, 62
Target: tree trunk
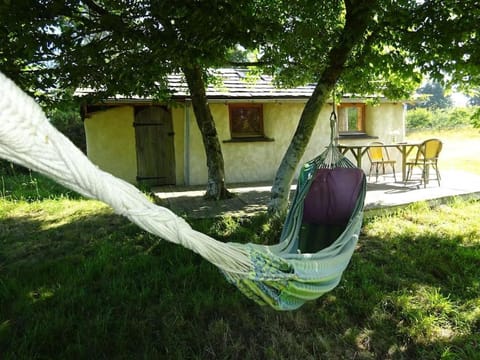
358, 16
286, 171
216, 188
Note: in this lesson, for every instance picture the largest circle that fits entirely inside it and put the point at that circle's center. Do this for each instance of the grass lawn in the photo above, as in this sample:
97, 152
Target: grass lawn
77, 281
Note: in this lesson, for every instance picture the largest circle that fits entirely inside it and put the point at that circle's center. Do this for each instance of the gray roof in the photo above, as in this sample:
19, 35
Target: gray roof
239, 84
230, 84
233, 84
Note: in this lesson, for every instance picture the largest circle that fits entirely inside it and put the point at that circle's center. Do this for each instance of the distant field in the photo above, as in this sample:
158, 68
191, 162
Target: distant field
461, 148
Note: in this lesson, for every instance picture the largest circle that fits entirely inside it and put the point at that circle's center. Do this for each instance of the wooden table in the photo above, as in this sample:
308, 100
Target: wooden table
358, 151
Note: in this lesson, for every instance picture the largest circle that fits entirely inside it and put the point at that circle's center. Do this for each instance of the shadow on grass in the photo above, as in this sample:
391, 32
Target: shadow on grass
414, 297
26, 240
91, 287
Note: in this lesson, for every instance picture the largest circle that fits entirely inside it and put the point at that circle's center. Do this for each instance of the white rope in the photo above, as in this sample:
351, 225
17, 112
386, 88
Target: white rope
27, 138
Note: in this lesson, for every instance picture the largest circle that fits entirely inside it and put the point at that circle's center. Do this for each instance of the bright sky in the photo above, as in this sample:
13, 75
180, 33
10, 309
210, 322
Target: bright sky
459, 99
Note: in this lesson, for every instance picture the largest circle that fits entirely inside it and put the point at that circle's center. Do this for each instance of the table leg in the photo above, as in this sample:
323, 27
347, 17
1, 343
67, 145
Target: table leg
358, 157
356, 152
405, 150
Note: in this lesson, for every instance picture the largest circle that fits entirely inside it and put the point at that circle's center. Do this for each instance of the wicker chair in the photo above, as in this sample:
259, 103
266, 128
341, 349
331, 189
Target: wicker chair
379, 157
425, 159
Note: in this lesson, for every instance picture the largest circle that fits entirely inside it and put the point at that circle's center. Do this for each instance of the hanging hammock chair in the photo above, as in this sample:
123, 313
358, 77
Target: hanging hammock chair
318, 239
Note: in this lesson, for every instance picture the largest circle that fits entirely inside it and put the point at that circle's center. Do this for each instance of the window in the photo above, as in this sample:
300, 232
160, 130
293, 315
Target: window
351, 118
246, 121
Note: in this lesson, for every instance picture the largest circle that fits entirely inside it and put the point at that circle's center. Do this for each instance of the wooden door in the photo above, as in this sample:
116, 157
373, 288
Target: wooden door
155, 148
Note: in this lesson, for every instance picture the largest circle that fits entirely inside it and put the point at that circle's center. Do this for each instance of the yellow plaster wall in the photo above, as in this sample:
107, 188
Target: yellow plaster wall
111, 144
259, 161
194, 153
110, 138
386, 122
254, 161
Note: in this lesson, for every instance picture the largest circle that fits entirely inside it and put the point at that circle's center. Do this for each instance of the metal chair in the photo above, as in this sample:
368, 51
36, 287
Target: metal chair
379, 157
425, 158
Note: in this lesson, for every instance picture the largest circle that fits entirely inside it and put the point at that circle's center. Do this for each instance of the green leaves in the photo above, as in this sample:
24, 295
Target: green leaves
125, 47
49, 43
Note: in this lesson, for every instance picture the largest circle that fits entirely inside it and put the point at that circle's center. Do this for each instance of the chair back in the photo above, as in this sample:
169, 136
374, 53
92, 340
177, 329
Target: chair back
376, 153
430, 150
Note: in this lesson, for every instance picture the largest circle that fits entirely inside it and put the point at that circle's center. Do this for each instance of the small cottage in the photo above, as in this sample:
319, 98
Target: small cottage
139, 140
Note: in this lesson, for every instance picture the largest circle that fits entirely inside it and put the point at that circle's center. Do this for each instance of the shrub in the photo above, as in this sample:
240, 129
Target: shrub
458, 117
419, 118
68, 121
422, 118
475, 118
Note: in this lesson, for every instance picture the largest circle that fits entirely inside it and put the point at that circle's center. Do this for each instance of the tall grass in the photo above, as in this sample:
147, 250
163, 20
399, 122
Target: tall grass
30, 187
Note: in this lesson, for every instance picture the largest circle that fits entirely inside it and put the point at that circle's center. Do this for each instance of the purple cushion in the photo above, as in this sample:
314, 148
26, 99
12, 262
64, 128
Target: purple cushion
332, 196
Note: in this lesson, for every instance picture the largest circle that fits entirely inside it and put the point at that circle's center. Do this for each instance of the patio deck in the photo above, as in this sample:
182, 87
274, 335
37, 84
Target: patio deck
253, 198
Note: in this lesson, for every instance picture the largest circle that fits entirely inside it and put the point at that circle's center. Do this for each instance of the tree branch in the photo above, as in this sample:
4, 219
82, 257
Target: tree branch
248, 63
97, 8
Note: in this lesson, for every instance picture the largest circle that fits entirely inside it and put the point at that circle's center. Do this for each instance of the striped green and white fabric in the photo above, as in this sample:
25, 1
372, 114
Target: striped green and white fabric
284, 277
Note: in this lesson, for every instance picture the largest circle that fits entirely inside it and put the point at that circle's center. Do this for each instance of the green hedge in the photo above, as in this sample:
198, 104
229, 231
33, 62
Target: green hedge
422, 118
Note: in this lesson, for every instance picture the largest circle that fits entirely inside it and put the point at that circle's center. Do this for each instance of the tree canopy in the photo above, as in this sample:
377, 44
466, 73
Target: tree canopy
126, 47
129, 48
403, 41
433, 96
